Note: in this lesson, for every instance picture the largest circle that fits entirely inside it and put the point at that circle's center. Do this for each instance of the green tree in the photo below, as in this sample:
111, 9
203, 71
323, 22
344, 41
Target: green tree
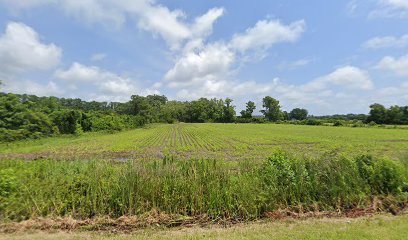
394, 115
272, 110
139, 106
68, 121
250, 107
229, 111
298, 114
377, 113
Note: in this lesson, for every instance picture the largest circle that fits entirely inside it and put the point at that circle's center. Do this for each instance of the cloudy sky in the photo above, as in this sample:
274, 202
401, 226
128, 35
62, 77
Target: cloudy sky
326, 56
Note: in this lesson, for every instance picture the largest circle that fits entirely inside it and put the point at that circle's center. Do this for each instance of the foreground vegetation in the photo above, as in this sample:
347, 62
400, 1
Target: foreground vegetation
210, 188
378, 227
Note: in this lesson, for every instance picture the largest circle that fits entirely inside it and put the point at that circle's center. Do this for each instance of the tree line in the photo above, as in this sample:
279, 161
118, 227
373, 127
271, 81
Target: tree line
29, 116
393, 115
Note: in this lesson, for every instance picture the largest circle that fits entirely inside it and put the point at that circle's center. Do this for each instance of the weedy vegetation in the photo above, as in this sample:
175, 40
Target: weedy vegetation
244, 191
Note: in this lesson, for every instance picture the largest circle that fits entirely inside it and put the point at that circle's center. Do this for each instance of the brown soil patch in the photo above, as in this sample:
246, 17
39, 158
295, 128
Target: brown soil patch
127, 224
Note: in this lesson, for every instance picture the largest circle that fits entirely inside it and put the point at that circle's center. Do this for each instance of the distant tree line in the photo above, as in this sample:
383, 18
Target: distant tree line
393, 115
29, 116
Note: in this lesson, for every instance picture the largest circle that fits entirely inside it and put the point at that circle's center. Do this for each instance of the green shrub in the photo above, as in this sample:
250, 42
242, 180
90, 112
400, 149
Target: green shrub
312, 122
84, 189
383, 176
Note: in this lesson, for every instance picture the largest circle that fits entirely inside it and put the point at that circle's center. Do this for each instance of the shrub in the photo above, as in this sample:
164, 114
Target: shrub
312, 122
383, 176
68, 121
258, 120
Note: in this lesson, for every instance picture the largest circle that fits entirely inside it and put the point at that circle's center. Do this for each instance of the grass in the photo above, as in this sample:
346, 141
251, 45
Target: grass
221, 141
377, 227
198, 188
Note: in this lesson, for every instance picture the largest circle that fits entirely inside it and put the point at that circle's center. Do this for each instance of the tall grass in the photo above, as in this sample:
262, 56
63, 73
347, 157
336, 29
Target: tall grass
84, 189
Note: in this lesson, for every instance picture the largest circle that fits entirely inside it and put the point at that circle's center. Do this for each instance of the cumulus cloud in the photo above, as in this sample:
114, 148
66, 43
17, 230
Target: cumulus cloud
399, 66
31, 87
387, 42
208, 69
171, 25
106, 83
391, 94
349, 77
21, 50
390, 9
266, 33
210, 64
318, 95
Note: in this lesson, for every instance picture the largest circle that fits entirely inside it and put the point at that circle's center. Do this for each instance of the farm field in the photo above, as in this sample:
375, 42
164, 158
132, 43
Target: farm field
187, 173
220, 141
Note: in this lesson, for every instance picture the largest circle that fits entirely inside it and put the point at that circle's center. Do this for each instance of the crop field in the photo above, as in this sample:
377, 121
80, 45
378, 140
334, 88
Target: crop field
215, 141
180, 174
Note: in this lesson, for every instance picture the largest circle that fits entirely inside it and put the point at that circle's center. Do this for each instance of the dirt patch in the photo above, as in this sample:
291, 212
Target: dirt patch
128, 224
25, 156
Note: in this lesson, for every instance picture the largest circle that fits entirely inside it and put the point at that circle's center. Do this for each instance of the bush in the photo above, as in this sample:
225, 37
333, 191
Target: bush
382, 176
372, 124
312, 122
68, 121
258, 120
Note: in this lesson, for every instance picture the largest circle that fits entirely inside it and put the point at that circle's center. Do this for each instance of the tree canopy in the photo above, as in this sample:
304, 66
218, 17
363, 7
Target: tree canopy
272, 111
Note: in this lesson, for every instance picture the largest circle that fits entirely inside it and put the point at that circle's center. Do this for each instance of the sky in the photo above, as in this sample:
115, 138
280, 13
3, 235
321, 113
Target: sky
326, 56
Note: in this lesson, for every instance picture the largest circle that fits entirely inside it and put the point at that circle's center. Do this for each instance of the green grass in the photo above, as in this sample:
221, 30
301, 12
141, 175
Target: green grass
211, 189
378, 227
221, 141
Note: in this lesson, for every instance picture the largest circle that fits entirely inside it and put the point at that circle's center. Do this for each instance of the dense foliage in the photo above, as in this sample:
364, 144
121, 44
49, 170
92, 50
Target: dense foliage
393, 115
28, 116
84, 189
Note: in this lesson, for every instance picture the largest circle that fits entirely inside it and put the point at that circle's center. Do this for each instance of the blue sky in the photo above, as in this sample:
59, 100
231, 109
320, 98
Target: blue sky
326, 56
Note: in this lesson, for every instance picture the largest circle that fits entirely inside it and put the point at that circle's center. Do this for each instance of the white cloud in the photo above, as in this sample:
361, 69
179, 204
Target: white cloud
208, 69
98, 57
387, 42
106, 83
390, 9
171, 25
349, 77
32, 87
266, 33
21, 50
319, 95
26, 4
203, 25
399, 66
396, 3
212, 63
